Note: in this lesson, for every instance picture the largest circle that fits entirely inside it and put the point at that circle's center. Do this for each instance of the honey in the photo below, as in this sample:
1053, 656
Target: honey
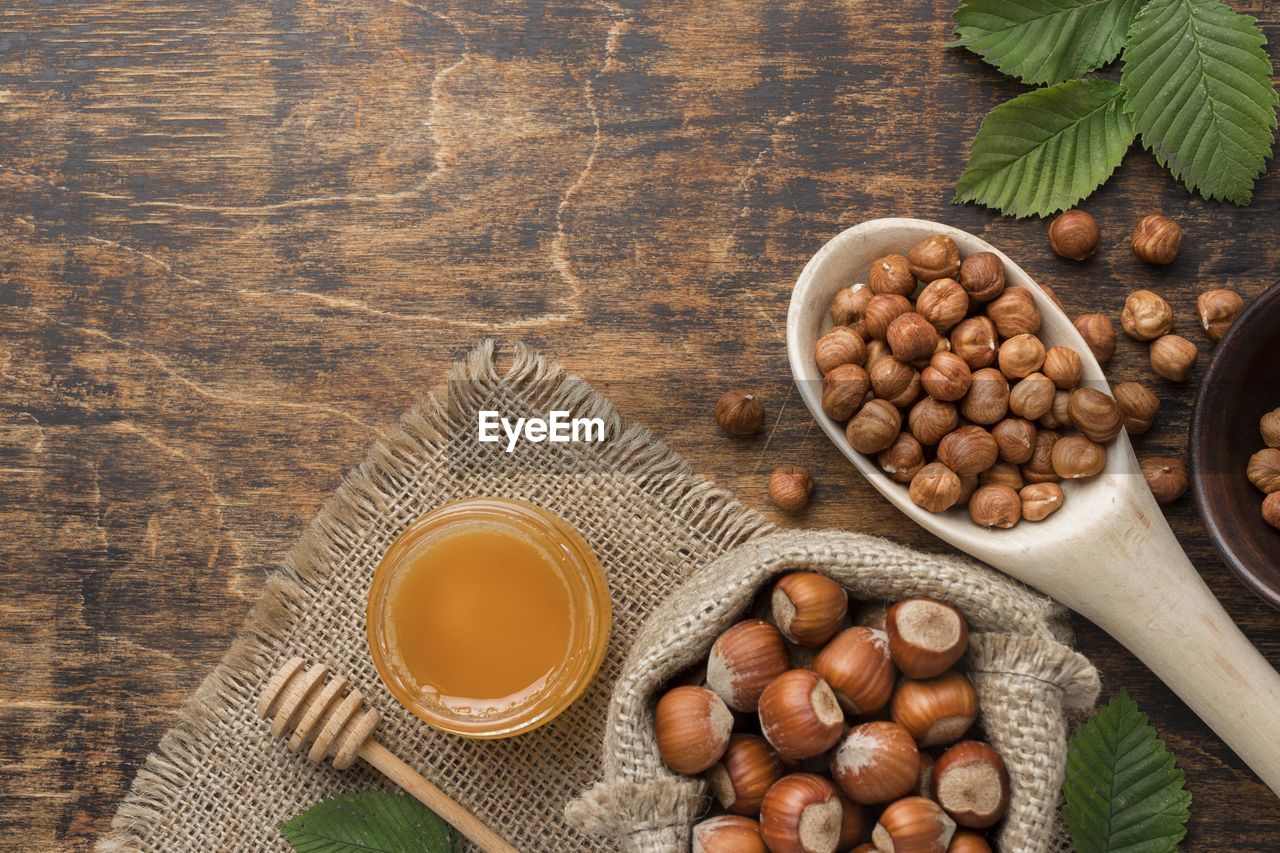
488, 617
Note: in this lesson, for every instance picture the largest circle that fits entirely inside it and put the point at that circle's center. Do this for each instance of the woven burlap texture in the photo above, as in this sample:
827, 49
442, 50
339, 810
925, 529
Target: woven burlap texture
1030, 684
219, 781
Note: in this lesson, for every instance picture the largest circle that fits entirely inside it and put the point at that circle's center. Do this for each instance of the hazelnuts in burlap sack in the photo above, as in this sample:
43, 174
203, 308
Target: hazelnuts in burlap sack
1029, 682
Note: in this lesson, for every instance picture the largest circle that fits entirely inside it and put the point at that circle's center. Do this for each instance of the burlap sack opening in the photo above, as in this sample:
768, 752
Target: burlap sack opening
1029, 682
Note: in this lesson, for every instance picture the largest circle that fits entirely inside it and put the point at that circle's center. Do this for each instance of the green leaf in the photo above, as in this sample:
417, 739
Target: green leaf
1198, 84
1046, 150
369, 821
1123, 790
1045, 41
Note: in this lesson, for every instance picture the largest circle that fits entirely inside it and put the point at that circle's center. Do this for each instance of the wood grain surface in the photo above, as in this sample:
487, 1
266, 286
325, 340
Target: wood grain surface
239, 238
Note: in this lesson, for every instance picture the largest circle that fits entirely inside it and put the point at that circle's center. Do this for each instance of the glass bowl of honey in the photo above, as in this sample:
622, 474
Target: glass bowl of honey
488, 617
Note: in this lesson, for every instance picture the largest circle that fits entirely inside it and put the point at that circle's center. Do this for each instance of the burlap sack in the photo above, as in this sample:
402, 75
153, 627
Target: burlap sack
1029, 682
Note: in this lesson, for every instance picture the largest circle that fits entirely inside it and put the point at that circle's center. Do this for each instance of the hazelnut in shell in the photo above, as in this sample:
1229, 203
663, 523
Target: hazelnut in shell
882, 310
790, 488
1166, 476
844, 389
849, 306
1040, 500
1173, 357
1271, 509
995, 506
988, 399
1015, 439
1100, 335
982, 276
926, 637
799, 715
1146, 316
892, 274
895, 381
930, 420
874, 427
1156, 239
1138, 406
744, 774
974, 340
739, 413
876, 762
1264, 470
1218, 309
692, 726
857, 667
1094, 413
727, 834
947, 377
903, 459
1076, 457
853, 823
841, 345
1039, 469
1032, 398
1014, 313
943, 303
1020, 356
935, 488
911, 337
937, 710
971, 784
1269, 427
913, 825
968, 841
968, 450
934, 258
801, 813
808, 607
743, 660
1063, 366
1073, 235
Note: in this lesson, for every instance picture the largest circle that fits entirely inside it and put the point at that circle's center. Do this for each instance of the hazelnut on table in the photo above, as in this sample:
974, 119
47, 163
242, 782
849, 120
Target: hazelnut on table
1156, 239
1146, 316
1138, 406
790, 488
1100, 335
1166, 476
1074, 235
1218, 309
1173, 357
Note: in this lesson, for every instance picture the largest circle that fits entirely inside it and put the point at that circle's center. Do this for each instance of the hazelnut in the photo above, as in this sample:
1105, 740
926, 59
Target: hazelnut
1138, 406
930, 420
790, 488
1063, 366
892, 274
1166, 476
808, 608
857, 667
943, 303
982, 276
1156, 239
1014, 313
691, 725
1015, 438
1073, 235
895, 381
727, 834
934, 258
853, 823
968, 841
876, 762
844, 389
971, 784
1077, 457
874, 427
1002, 474
935, 710
988, 399
1020, 356
903, 459
968, 450
913, 825
926, 637
1094, 413
1040, 500
935, 488
974, 340
746, 771
1269, 427
882, 310
739, 413
1173, 357
1099, 333
801, 814
799, 715
1264, 470
911, 336
1271, 509
849, 305
968, 485
1059, 414
995, 506
841, 345
743, 660
1040, 467
876, 350
1032, 398
1146, 316
947, 377
1218, 309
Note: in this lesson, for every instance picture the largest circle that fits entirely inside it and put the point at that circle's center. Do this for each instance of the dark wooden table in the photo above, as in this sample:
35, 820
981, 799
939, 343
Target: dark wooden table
238, 239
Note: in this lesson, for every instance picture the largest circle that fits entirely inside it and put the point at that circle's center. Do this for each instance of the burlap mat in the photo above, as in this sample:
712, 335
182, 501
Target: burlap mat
220, 781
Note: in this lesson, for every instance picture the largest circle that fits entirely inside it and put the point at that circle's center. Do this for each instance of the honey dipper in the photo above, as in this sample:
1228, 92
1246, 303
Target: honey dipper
307, 709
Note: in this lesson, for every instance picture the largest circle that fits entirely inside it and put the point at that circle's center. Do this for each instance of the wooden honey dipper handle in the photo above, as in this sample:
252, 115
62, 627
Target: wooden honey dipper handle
302, 705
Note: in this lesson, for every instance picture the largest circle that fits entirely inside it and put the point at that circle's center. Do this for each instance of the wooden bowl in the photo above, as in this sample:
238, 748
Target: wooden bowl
1240, 386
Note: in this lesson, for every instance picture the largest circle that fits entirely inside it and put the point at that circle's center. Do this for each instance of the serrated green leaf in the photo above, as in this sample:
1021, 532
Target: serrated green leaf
1045, 41
1046, 150
1198, 85
1123, 791
369, 822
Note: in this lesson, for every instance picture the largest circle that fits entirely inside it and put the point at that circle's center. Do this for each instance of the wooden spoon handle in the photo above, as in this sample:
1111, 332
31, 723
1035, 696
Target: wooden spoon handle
433, 798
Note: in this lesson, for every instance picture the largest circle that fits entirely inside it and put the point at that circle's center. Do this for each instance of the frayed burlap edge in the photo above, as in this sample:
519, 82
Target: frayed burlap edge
714, 512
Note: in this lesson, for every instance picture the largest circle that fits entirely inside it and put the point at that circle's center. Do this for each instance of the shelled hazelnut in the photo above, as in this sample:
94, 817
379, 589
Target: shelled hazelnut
1166, 476
935, 488
1138, 406
1063, 366
1039, 469
1074, 235
988, 399
1015, 439
1032, 398
1271, 509
968, 450
903, 459
1040, 500
895, 381
943, 303
874, 427
1269, 427
790, 488
739, 413
1173, 357
1014, 312
1059, 414
882, 310
1264, 470
934, 258
930, 420
850, 305
1156, 239
1020, 356
1077, 457
841, 345
982, 276
947, 377
844, 389
1099, 334
1095, 413
975, 340
892, 274
1146, 316
1218, 309
911, 337
995, 506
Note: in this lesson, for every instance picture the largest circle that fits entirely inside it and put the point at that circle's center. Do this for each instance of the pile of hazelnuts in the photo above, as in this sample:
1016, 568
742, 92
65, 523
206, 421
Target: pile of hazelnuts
954, 393
816, 731
1264, 467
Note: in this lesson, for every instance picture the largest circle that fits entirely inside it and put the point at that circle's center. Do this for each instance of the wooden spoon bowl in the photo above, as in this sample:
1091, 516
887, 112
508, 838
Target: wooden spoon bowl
1108, 553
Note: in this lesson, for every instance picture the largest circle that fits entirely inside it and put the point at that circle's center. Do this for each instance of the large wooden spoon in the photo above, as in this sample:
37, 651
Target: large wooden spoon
1108, 553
